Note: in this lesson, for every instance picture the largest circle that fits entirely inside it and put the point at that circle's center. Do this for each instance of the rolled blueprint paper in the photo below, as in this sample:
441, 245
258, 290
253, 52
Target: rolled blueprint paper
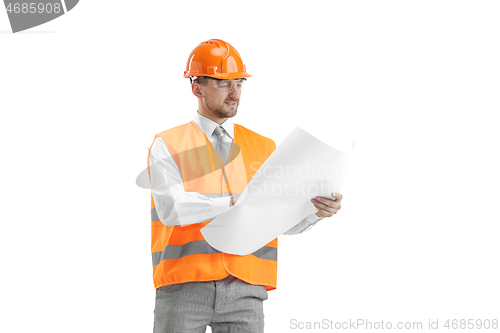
279, 194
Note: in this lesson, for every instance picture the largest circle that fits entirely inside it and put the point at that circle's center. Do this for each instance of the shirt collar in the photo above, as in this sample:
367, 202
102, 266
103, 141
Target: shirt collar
208, 126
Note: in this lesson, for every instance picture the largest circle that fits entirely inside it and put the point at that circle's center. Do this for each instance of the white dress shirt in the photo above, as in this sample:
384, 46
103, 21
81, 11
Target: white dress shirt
176, 207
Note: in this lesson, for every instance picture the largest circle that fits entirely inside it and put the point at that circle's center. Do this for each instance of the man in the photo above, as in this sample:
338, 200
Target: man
197, 171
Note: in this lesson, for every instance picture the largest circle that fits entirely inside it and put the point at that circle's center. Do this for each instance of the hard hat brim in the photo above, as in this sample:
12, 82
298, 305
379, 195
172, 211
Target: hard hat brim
222, 76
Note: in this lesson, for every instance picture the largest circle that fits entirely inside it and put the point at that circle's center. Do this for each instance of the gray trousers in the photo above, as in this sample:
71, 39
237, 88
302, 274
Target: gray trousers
227, 305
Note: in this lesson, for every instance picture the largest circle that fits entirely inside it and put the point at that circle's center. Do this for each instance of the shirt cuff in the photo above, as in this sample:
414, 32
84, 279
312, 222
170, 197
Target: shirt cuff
313, 218
220, 205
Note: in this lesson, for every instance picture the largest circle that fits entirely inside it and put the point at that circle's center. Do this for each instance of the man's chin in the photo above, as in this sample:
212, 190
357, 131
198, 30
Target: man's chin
232, 112
230, 115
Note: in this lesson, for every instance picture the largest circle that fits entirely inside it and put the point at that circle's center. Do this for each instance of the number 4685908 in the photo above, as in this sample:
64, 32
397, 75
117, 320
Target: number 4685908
34, 7
471, 324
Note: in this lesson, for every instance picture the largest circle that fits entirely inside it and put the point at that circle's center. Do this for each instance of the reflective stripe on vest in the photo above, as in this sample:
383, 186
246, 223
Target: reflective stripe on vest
202, 247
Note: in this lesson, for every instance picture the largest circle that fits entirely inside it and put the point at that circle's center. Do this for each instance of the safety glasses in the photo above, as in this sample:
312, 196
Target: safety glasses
225, 85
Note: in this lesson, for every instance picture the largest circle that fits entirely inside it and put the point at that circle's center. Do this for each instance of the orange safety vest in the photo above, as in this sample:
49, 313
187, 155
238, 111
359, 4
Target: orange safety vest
180, 253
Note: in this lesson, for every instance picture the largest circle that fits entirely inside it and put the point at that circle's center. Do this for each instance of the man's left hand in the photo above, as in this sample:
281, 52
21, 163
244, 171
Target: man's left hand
327, 207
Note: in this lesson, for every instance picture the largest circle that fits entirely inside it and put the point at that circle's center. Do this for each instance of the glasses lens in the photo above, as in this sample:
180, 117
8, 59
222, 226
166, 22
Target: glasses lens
227, 85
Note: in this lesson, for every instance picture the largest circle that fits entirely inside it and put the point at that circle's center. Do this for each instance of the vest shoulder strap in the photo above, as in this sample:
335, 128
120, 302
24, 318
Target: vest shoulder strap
175, 134
260, 140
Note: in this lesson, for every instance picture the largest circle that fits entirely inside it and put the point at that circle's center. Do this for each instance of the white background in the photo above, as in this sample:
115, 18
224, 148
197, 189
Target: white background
415, 83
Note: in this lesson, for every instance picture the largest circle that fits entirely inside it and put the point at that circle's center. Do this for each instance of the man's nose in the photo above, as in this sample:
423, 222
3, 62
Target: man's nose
234, 92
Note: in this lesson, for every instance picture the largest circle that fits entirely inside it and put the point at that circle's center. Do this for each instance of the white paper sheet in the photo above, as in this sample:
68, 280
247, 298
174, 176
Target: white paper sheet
279, 194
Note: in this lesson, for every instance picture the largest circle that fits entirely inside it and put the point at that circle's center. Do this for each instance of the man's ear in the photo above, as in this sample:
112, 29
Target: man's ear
196, 89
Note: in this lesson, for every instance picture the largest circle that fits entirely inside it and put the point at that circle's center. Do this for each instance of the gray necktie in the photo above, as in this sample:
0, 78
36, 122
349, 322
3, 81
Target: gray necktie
221, 146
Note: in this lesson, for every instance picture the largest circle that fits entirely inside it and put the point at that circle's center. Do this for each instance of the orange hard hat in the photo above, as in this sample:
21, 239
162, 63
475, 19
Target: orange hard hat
215, 58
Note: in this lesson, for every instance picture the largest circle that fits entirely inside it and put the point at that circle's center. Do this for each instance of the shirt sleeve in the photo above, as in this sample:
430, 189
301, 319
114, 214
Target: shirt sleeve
173, 205
305, 225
